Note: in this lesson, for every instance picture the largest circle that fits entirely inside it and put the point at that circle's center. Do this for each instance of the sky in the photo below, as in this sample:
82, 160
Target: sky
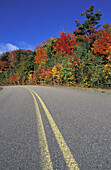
26, 23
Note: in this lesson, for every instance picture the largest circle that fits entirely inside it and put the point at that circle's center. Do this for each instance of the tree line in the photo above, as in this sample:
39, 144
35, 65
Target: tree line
81, 58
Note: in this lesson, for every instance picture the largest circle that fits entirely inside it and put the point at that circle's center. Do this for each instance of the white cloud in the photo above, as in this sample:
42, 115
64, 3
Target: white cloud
11, 47
26, 46
1, 52
7, 47
22, 43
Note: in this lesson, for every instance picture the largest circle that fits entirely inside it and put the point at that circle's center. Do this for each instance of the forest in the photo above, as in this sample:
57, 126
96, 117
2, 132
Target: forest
78, 59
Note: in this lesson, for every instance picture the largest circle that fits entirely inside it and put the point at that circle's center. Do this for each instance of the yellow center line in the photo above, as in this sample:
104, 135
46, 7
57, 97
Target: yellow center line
69, 159
45, 155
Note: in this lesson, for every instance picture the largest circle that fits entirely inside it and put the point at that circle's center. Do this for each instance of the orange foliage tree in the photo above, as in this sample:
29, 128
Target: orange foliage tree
103, 43
41, 55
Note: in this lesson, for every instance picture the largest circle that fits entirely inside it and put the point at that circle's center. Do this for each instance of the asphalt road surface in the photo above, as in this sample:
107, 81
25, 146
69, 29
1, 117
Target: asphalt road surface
58, 128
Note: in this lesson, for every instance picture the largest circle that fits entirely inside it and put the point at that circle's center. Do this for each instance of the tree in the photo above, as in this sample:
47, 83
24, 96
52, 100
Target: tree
103, 43
91, 23
3, 66
65, 44
50, 51
41, 55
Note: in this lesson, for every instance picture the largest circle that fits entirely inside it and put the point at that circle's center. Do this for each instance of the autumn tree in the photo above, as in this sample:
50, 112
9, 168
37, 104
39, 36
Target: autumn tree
107, 26
50, 51
103, 42
41, 55
3, 66
65, 44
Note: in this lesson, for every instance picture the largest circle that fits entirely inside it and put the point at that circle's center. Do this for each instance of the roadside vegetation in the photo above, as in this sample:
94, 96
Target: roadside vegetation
78, 59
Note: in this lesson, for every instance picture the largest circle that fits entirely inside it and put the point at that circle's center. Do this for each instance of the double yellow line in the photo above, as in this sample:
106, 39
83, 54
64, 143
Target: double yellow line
45, 155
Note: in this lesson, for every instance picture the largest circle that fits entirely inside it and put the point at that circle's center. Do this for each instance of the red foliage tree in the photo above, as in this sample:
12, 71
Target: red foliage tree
65, 43
3, 66
14, 79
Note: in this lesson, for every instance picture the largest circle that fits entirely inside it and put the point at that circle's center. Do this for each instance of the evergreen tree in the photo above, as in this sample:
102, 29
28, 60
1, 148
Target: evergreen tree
91, 23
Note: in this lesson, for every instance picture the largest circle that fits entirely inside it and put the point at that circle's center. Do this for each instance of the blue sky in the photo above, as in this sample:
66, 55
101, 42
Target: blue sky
26, 23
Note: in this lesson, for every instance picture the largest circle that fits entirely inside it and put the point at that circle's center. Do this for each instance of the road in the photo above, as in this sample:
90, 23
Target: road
43, 127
